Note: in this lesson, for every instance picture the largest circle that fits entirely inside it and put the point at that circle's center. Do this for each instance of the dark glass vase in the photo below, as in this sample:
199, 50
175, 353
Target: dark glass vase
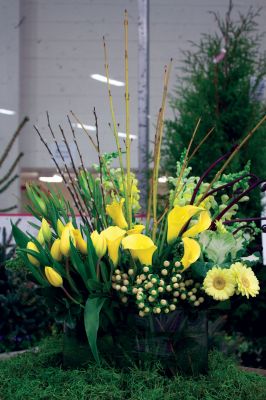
178, 341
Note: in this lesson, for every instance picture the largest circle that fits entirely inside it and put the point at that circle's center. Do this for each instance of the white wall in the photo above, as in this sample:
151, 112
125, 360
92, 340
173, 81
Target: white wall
9, 94
61, 47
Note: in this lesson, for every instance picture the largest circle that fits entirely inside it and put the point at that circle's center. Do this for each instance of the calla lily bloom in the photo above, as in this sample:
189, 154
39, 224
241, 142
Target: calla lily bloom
141, 247
46, 231
66, 236
203, 223
55, 250
136, 229
113, 236
53, 277
32, 259
80, 242
40, 237
60, 227
115, 211
191, 252
99, 243
177, 218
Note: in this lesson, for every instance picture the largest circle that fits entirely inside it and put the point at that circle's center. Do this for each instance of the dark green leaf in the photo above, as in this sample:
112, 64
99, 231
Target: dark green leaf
91, 320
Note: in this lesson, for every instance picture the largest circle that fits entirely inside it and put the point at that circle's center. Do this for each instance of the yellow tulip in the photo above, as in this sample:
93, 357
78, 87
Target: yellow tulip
59, 226
113, 236
53, 277
47, 233
115, 211
80, 242
203, 223
66, 236
177, 219
136, 229
141, 247
55, 250
33, 260
40, 237
99, 243
191, 252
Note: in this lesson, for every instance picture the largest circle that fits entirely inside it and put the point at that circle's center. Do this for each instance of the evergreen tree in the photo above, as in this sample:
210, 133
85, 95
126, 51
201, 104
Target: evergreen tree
222, 80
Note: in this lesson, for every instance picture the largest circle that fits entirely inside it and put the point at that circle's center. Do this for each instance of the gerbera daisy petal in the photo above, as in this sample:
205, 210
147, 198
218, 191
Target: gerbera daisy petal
219, 283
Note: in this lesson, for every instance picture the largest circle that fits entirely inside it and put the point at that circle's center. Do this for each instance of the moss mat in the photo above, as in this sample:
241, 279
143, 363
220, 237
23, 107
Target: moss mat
33, 376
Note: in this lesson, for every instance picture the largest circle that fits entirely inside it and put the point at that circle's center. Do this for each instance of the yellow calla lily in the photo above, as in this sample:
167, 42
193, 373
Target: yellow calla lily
80, 242
40, 237
46, 231
53, 277
99, 243
177, 218
113, 236
60, 227
141, 247
66, 236
191, 252
115, 211
55, 250
32, 259
136, 229
203, 223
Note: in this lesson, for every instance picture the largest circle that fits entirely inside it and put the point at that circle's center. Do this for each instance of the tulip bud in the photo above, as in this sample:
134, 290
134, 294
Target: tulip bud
40, 237
53, 277
33, 260
99, 243
59, 226
47, 233
55, 250
80, 242
66, 236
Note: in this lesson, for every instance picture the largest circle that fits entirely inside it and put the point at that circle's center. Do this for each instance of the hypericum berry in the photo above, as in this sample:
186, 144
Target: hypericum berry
164, 272
176, 294
125, 282
190, 293
193, 298
172, 307
146, 269
113, 285
178, 276
174, 279
124, 299
138, 281
151, 299
158, 310
141, 313
161, 282
176, 285
175, 300
142, 277
187, 282
149, 285
130, 272
134, 290
117, 287
166, 263
117, 271
153, 292
147, 309
153, 280
141, 305
124, 276
181, 284
123, 289
169, 288
201, 299
163, 302
113, 278
118, 278
160, 289
197, 303
183, 296
194, 290
166, 310
177, 264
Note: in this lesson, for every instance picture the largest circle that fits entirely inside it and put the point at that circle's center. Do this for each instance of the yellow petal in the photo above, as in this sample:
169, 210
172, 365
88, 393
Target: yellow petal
53, 277
80, 242
203, 223
177, 218
136, 229
40, 237
99, 243
141, 247
66, 236
113, 236
47, 233
33, 260
191, 252
59, 226
115, 211
55, 250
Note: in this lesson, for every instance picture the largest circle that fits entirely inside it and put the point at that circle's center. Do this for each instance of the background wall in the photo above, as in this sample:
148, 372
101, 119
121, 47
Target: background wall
60, 45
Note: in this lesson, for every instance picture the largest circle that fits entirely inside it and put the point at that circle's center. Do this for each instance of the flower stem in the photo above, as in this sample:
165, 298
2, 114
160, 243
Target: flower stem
71, 298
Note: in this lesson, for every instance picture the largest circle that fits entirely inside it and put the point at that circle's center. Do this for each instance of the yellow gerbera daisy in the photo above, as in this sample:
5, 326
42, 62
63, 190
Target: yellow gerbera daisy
219, 283
246, 280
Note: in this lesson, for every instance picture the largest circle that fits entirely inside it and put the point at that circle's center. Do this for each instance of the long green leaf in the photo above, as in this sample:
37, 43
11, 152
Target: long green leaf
20, 237
91, 320
78, 263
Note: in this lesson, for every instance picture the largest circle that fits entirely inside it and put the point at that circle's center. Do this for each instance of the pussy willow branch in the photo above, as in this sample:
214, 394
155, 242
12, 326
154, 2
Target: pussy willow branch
10, 144
200, 144
11, 169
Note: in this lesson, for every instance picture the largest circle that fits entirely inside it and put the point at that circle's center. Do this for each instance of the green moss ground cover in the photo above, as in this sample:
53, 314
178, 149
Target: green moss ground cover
39, 376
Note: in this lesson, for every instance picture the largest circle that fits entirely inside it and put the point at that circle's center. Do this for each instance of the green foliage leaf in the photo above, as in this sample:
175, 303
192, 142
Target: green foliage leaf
20, 237
78, 263
91, 320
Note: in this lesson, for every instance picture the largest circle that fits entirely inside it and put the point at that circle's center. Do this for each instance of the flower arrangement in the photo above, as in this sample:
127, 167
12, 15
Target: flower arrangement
190, 256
